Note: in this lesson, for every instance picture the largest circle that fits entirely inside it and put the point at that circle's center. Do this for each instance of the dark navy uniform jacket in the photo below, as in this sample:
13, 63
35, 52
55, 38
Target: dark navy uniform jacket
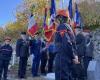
36, 46
5, 52
22, 48
63, 46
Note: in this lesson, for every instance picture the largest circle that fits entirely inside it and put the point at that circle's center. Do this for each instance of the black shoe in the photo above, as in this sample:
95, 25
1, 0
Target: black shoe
5, 79
21, 77
36, 76
43, 74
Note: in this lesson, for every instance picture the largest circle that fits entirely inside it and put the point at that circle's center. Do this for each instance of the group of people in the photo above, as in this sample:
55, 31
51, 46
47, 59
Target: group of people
24, 48
68, 55
74, 50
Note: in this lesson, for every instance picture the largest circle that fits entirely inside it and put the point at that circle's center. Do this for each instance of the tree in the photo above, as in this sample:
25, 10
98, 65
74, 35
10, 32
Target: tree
13, 29
2, 34
31, 6
90, 14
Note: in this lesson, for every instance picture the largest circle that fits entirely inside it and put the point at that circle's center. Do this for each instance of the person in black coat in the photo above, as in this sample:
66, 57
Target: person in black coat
80, 43
78, 70
64, 56
5, 57
89, 52
22, 51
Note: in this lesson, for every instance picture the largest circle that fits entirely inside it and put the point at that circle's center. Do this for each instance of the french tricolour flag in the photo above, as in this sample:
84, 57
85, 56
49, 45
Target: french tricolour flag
70, 10
52, 13
77, 17
32, 26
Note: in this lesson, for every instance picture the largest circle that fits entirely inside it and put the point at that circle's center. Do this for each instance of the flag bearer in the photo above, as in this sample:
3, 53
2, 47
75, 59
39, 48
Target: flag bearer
64, 56
35, 50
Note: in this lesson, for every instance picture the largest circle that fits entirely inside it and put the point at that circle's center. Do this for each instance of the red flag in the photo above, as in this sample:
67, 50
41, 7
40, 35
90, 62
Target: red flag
49, 33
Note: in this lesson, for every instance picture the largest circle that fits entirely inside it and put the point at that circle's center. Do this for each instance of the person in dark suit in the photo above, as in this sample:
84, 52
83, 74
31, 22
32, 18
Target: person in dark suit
22, 51
5, 57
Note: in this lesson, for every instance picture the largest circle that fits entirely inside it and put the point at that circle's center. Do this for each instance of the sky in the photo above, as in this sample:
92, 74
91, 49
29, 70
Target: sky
63, 4
7, 10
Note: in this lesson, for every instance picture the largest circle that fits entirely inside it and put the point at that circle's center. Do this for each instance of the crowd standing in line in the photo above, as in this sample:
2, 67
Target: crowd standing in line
68, 56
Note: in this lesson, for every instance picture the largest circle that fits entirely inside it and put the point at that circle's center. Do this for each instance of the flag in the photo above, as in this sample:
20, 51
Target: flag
63, 4
70, 10
32, 26
52, 12
52, 15
47, 30
77, 16
45, 26
50, 30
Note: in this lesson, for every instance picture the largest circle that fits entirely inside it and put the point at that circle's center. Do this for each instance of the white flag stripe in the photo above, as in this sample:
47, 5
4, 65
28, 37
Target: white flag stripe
63, 4
31, 22
75, 17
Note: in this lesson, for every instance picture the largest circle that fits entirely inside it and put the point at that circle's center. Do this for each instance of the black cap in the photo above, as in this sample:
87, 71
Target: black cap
23, 33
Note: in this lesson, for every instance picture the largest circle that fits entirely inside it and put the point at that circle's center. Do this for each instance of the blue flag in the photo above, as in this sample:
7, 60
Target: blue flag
77, 18
52, 11
70, 9
45, 16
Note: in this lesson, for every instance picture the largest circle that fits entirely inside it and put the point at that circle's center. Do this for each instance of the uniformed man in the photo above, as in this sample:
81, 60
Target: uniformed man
22, 51
64, 56
36, 46
5, 57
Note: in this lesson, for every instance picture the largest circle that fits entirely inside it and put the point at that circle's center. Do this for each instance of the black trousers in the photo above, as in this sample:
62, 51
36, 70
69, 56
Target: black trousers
43, 62
86, 63
50, 62
22, 67
4, 68
78, 70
